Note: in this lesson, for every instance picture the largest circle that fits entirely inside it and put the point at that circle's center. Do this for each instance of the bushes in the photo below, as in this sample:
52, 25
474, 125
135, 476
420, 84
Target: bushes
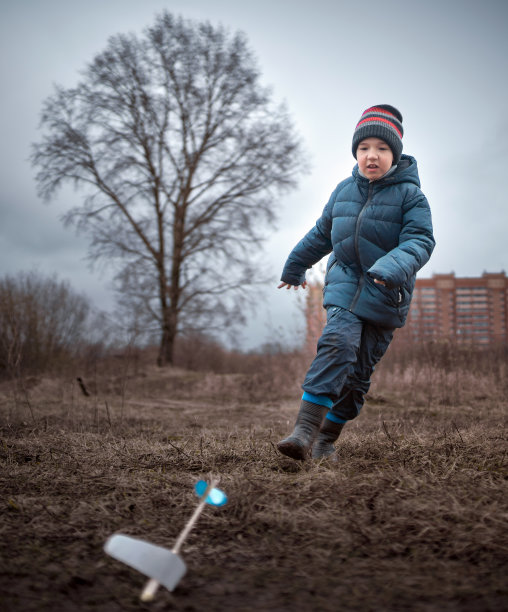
443, 371
43, 323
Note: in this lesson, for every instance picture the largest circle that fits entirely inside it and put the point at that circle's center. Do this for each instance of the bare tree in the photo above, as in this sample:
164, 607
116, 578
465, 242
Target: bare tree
182, 154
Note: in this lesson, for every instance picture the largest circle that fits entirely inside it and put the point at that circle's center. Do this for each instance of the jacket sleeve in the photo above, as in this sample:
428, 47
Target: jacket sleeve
416, 243
313, 247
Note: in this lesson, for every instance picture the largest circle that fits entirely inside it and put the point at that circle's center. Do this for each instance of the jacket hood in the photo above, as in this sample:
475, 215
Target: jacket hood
406, 172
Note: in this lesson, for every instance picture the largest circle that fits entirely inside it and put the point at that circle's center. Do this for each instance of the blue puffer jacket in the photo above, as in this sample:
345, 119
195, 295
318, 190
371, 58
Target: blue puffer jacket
379, 230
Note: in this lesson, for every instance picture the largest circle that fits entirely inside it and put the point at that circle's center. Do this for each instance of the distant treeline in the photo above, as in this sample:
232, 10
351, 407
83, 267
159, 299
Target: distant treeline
44, 323
46, 326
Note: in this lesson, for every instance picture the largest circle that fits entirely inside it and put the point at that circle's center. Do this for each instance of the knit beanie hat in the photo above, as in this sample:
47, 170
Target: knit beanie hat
382, 121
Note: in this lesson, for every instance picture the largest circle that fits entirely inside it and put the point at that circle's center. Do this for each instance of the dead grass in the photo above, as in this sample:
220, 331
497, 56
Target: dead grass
411, 516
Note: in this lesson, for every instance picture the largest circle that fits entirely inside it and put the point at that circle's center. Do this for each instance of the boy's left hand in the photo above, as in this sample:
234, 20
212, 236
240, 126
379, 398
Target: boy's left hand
288, 286
380, 282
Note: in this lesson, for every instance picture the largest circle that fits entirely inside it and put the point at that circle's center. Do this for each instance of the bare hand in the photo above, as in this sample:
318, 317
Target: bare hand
295, 287
380, 282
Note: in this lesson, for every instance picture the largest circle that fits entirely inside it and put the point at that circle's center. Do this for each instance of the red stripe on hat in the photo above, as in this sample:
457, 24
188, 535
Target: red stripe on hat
380, 119
378, 109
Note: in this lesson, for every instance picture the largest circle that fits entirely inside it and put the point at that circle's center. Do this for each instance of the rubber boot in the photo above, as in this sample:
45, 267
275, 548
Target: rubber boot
299, 443
328, 434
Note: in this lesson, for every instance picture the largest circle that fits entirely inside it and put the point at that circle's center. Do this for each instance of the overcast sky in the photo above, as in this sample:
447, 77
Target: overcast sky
442, 63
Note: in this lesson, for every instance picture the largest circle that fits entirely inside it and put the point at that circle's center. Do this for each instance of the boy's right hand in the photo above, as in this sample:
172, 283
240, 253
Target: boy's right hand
288, 286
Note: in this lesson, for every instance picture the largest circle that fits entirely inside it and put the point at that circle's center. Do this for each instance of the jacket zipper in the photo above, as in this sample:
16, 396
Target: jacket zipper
331, 267
361, 281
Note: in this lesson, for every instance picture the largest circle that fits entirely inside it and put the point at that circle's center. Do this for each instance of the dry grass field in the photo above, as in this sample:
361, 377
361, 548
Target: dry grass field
412, 515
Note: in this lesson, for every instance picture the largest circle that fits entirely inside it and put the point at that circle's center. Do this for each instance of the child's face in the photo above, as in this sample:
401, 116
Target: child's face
374, 158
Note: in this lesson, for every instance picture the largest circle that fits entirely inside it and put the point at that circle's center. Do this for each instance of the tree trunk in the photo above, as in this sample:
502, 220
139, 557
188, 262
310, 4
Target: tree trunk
167, 344
169, 321
170, 311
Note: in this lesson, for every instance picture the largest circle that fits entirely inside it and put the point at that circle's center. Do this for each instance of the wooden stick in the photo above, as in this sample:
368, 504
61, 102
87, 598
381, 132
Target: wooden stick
149, 590
152, 585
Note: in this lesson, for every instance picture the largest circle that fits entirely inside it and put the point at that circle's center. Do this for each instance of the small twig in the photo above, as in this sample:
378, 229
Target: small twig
457, 430
82, 386
107, 413
385, 429
178, 449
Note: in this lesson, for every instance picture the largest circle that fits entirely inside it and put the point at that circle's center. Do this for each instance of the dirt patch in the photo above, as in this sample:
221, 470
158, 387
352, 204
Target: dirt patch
411, 516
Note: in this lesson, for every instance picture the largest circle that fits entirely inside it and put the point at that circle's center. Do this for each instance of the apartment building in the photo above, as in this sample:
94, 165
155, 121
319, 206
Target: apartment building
469, 309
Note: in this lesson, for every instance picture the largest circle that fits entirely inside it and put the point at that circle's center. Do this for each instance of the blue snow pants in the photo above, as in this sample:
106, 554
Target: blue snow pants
347, 352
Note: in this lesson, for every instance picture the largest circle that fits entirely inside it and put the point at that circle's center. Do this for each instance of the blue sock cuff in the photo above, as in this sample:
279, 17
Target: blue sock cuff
335, 419
320, 400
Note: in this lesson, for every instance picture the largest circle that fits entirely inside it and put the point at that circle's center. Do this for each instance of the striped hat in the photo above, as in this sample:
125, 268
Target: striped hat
381, 121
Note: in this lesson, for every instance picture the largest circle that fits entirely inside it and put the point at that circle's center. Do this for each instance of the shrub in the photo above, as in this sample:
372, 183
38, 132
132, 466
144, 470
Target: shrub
43, 322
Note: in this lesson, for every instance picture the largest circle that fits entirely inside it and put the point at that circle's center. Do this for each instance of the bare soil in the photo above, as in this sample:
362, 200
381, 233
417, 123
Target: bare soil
412, 514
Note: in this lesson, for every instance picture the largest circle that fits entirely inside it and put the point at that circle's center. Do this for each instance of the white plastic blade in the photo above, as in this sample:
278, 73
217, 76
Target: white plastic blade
156, 562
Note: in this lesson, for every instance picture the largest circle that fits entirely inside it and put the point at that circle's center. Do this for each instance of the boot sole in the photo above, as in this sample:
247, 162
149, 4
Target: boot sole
293, 450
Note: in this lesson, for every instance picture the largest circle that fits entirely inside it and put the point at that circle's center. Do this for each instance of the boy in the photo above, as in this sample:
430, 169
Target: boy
377, 226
